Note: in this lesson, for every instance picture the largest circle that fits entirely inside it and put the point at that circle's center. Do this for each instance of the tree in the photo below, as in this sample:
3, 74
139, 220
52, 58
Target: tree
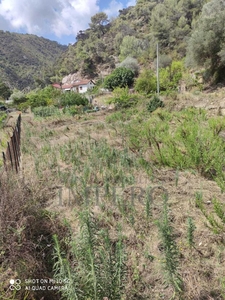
207, 43
99, 22
130, 46
5, 91
130, 63
170, 76
146, 82
120, 77
18, 97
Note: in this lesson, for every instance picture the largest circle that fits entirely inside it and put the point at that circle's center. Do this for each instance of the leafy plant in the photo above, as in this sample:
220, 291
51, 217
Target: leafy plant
190, 232
72, 98
130, 63
146, 82
170, 249
155, 103
120, 77
96, 266
122, 98
46, 111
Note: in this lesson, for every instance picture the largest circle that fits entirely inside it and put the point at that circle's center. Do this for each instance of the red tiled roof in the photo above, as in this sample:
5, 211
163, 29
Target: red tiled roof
75, 84
81, 82
67, 86
56, 85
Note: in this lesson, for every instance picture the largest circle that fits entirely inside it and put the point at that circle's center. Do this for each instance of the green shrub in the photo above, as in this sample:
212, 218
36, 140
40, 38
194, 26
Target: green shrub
146, 83
130, 63
170, 76
3, 116
120, 77
43, 97
170, 249
72, 110
122, 98
155, 103
24, 106
186, 140
72, 98
46, 111
18, 97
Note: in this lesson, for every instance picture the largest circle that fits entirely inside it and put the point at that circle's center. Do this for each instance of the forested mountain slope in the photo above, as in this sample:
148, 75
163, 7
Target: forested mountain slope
25, 59
133, 33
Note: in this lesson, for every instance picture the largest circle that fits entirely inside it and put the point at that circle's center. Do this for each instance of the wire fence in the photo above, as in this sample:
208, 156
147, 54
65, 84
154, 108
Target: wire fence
11, 157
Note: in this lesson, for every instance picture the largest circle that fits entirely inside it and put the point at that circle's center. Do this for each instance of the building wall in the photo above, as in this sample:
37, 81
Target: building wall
83, 88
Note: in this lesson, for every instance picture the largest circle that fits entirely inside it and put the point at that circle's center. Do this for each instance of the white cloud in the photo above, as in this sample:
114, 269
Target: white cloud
58, 17
54, 18
113, 8
131, 3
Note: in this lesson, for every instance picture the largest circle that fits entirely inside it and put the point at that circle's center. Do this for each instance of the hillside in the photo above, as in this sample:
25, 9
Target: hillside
123, 204
26, 59
134, 33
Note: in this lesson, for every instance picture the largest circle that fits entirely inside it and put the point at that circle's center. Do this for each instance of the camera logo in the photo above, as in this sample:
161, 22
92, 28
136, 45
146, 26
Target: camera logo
15, 284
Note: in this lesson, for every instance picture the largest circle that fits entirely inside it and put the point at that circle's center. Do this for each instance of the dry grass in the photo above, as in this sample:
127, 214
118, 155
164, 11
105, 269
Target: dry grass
201, 267
26, 231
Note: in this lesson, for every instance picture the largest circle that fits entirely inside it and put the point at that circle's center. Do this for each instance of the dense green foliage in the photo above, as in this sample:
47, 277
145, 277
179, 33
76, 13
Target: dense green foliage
130, 63
207, 43
18, 97
192, 144
43, 97
123, 99
146, 82
170, 76
96, 266
155, 103
46, 111
133, 33
3, 116
72, 98
120, 77
29, 61
5, 91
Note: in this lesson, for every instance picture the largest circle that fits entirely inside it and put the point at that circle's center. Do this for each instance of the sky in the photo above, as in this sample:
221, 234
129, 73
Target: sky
57, 20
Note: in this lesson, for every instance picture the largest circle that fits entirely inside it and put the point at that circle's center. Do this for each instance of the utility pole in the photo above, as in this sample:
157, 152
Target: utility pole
157, 68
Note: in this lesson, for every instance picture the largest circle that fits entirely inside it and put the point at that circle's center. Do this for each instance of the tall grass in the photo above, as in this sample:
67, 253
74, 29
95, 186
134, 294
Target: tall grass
182, 140
96, 264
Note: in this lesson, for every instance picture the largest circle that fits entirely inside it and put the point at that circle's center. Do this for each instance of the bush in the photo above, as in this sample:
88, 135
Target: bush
3, 116
18, 97
72, 98
72, 110
130, 63
120, 77
155, 103
146, 83
43, 97
170, 76
46, 111
24, 106
122, 98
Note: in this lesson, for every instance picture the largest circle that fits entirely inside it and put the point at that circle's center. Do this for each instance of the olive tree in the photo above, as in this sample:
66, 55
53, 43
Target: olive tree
207, 43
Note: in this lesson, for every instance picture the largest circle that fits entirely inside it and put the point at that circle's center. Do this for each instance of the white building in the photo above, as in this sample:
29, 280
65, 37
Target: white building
79, 86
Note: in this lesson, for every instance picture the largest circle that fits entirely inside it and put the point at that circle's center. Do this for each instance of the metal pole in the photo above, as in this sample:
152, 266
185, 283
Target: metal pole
157, 71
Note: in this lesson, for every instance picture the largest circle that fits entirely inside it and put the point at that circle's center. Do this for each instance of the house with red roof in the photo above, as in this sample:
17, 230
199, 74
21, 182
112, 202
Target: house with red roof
79, 86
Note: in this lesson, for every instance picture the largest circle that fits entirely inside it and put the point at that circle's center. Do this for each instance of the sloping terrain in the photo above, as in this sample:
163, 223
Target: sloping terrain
167, 223
25, 59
